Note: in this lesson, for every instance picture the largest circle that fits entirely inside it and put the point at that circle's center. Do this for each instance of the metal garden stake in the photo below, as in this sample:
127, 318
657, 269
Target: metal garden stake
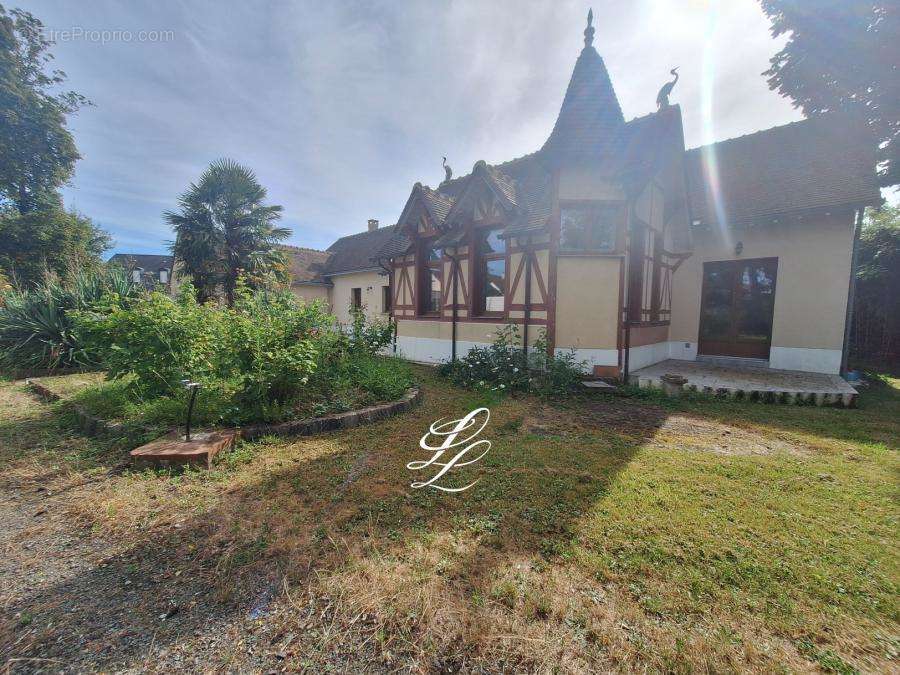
192, 387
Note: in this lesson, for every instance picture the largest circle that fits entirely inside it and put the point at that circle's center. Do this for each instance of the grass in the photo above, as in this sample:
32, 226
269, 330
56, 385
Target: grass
69, 385
603, 534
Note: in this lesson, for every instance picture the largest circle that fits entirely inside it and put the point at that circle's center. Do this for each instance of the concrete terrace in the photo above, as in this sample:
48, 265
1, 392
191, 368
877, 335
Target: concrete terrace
753, 383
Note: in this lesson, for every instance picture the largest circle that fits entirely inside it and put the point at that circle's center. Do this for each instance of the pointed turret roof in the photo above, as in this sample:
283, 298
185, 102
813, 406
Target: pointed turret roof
590, 114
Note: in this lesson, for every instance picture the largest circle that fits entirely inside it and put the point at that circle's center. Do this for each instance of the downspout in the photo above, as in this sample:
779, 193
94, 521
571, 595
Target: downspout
851, 293
527, 254
627, 289
391, 318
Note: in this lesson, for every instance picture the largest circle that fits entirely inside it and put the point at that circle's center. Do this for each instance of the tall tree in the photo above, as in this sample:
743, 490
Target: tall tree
876, 320
224, 230
843, 55
37, 151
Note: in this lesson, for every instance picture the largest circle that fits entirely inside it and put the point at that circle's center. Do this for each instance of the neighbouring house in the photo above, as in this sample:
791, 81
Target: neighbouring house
306, 265
152, 271
346, 274
619, 243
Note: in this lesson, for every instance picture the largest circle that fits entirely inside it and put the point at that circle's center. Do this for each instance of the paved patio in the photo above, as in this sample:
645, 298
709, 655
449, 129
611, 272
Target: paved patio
766, 384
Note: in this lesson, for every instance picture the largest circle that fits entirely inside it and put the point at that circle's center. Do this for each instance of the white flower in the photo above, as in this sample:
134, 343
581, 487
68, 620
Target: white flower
515, 370
503, 386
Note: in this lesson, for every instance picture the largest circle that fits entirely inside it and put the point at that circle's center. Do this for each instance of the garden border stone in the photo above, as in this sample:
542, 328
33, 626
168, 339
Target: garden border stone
88, 424
345, 420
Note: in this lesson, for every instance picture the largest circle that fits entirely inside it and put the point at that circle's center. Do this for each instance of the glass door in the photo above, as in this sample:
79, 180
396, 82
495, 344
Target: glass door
737, 306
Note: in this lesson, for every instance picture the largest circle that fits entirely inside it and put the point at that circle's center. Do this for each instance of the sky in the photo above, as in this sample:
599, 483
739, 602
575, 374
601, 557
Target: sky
340, 106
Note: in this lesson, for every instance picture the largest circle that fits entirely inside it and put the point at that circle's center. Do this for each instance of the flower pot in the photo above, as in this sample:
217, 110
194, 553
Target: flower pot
673, 385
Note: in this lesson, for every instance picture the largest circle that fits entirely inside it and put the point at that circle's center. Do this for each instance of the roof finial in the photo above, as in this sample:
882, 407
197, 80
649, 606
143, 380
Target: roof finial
589, 31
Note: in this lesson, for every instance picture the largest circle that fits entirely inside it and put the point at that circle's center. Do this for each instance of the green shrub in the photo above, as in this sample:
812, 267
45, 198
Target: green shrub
504, 367
37, 325
266, 358
368, 337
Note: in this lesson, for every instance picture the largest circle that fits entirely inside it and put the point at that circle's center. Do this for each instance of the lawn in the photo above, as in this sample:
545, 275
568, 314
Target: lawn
604, 534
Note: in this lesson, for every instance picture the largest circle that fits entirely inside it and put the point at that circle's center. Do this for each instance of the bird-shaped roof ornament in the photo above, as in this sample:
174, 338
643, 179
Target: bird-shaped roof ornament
448, 172
662, 98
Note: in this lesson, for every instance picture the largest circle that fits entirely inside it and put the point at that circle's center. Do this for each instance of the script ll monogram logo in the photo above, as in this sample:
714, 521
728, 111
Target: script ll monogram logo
448, 433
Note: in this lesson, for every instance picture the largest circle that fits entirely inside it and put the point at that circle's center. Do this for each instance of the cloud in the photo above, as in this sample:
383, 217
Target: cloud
339, 107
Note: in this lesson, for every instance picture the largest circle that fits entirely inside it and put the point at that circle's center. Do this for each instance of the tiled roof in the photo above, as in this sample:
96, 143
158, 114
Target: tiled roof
397, 244
306, 264
590, 113
805, 165
356, 251
148, 263
816, 163
438, 204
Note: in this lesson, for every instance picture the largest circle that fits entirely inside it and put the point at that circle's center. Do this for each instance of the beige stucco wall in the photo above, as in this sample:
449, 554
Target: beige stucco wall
442, 330
370, 282
311, 292
814, 259
587, 302
430, 341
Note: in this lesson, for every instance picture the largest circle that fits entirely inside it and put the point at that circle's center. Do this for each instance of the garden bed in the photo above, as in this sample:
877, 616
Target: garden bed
345, 420
90, 398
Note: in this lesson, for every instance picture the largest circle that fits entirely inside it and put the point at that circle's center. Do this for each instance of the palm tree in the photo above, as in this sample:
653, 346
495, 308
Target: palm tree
224, 230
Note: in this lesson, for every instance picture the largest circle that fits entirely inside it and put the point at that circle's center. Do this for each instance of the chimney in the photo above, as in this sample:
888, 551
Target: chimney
373, 224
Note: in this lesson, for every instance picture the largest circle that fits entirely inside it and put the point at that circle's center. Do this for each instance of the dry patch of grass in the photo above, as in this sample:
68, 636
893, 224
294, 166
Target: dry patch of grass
67, 385
603, 535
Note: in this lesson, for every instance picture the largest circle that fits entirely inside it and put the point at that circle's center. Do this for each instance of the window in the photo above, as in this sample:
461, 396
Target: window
164, 276
431, 272
590, 228
491, 271
385, 299
136, 275
649, 277
356, 298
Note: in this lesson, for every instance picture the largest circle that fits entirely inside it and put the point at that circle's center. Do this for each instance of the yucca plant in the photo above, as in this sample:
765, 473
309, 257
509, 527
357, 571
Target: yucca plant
36, 332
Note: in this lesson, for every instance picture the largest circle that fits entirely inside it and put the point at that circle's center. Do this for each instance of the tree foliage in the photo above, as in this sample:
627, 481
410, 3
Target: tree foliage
876, 315
37, 156
57, 241
37, 151
225, 231
842, 55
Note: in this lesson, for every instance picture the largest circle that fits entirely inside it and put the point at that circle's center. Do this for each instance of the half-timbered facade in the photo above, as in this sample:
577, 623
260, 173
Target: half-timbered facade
586, 242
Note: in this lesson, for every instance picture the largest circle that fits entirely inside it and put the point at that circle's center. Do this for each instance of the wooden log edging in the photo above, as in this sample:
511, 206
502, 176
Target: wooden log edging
345, 420
85, 422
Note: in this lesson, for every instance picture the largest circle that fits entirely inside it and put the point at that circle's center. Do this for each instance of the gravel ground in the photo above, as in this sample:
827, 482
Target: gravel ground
72, 601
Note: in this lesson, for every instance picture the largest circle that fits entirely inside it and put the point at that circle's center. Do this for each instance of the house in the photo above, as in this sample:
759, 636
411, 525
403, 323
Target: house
152, 271
614, 240
346, 274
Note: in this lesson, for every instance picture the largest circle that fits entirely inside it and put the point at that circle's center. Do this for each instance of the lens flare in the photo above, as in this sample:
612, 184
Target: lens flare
707, 100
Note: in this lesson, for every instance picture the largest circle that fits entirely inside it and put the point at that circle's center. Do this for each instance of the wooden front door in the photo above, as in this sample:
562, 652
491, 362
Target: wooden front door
736, 308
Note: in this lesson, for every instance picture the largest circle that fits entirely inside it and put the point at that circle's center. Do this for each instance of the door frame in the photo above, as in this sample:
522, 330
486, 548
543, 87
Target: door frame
771, 261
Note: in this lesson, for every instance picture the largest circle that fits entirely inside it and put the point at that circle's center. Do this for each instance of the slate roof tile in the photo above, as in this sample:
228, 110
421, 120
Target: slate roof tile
356, 251
816, 163
147, 262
